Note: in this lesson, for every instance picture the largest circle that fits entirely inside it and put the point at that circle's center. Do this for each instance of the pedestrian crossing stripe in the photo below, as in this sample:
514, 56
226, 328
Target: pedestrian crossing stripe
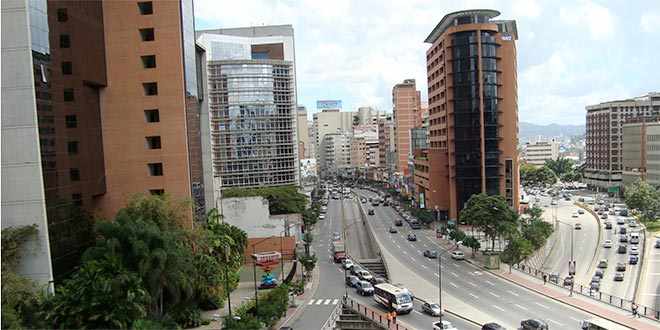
323, 302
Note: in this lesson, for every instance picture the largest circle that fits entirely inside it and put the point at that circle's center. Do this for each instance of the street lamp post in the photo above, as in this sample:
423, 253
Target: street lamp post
571, 264
227, 250
458, 244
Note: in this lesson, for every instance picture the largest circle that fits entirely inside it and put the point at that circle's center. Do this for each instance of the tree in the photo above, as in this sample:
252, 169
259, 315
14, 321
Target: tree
472, 243
531, 175
560, 166
536, 232
281, 200
310, 217
516, 251
644, 197
101, 295
534, 213
490, 214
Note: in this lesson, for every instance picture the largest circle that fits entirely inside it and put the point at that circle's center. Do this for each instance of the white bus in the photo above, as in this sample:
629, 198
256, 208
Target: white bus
600, 324
393, 298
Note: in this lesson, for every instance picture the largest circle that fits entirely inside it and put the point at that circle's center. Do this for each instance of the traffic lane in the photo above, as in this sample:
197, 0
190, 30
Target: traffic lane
504, 299
626, 288
650, 290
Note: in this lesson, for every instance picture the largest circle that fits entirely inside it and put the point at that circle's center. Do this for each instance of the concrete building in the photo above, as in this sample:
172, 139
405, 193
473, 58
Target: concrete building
386, 143
604, 137
331, 121
24, 48
252, 106
641, 151
473, 111
312, 139
538, 152
335, 154
304, 149
406, 115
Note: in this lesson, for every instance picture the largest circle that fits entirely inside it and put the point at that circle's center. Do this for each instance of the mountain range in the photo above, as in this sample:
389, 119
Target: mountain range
529, 131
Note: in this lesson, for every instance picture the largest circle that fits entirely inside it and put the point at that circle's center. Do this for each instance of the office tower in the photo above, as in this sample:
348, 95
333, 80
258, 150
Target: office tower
331, 120
406, 114
538, 152
641, 151
335, 154
604, 132
386, 151
252, 106
304, 149
473, 111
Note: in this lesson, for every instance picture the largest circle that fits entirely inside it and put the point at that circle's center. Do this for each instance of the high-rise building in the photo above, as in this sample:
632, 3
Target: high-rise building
641, 151
406, 115
304, 148
330, 121
365, 147
538, 152
386, 151
312, 139
473, 110
252, 106
604, 132
115, 88
335, 154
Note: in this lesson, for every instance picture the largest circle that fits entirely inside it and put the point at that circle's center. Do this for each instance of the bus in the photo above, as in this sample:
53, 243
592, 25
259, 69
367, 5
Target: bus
393, 298
596, 323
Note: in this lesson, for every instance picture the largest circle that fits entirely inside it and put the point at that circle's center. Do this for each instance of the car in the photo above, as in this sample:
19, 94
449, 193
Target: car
595, 286
365, 288
623, 239
363, 200
634, 250
578, 226
443, 325
415, 225
633, 260
632, 223
432, 254
371, 212
393, 230
336, 236
377, 280
533, 324
569, 280
412, 237
554, 202
321, 216
604, 216
623, 230
355, 270
492, 326
620, 221
575, 215
608, 225
457, 255
611, 212
352, 280
618, 276
596, 279
622, 249
599, 272
347, 264
398, 222
607, 243
580, 211
431, 309
620, 267
602, 263
657, 244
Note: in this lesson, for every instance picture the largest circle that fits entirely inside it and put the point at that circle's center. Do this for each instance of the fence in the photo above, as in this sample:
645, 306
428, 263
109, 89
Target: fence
375, 316
332, 320
586, 291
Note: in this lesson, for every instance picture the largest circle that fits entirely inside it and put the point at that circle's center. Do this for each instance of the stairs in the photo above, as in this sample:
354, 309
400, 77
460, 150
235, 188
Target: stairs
350, 320
375, 266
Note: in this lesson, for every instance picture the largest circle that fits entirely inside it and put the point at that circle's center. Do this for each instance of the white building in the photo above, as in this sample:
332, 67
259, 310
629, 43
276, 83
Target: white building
537, 153
335, 153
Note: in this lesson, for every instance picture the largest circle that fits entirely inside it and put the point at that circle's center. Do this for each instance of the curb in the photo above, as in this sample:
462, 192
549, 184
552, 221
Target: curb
600, 243
462, 317
641, 263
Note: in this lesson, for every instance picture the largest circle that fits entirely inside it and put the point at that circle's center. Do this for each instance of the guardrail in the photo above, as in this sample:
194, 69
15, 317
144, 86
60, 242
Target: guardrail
370, 231
586, 291
332, 320
375, 316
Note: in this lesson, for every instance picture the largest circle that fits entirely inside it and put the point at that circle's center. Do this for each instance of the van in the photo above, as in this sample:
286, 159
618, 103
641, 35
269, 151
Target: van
634, 238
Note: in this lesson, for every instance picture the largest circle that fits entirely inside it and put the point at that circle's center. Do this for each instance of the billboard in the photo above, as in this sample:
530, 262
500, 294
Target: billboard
328, 104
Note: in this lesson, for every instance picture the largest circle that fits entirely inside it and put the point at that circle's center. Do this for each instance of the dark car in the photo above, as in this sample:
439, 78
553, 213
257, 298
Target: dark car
600, 273
533, 324
393, 230
352, 280
371, 212
364, 288
608, 225
657, 244
595, 286
622, 230
492, 326
568, 281
398, 222
633, 260
622, 249
431, 254
356, 270
623, 239
412, 237
596, 279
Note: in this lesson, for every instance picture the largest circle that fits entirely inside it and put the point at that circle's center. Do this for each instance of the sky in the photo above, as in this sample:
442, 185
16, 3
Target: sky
570, 53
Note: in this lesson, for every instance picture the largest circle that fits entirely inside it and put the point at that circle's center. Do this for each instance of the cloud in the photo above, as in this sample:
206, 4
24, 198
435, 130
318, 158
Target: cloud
600, 22
526, 8
650, 22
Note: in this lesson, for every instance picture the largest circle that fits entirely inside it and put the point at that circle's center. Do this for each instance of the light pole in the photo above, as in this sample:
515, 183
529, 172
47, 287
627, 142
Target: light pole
227, 251
458, 244
571, 264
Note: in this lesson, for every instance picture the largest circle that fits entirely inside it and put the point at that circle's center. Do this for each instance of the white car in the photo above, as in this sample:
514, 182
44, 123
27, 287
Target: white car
348, 263
457, 255
607, 243
634, 250
575, 215
443, 325
321, 216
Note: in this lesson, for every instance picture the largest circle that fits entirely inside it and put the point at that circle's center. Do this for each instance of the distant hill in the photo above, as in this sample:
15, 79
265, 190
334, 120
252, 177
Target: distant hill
530, 131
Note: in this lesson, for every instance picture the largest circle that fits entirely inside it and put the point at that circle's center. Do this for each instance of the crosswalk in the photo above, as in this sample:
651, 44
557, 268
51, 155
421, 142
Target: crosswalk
323, 301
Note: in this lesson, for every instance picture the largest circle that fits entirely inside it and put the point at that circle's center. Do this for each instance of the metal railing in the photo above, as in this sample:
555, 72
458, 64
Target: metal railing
375, 316
586, 291
332, 320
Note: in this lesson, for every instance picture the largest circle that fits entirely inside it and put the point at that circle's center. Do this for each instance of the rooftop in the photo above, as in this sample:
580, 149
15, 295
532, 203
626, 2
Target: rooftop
448, 21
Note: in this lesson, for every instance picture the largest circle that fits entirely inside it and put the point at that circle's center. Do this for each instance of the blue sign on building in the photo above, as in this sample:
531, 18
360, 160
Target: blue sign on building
328, 104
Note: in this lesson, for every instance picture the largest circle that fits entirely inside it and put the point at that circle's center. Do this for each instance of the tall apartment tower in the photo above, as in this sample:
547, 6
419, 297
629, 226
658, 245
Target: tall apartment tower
304, 148
641, 151
473, 110
330, 120
252, 106
604, 131
406, 113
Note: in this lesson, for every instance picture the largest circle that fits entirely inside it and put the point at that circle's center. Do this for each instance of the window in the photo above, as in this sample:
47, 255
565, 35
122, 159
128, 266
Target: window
152, 116
62, 15
158, 192
72, 147
153, 142
77, 199
155, 169
68, 95
147, 34
71, 121
74, 174
146, 7
148, 61
67, 67
65, 41
150, 88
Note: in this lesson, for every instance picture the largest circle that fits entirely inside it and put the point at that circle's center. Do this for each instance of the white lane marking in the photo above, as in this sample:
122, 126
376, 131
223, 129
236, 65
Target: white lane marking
454, 274
494, 295
499, 308
555, 322
574, 319
397, 245
513, 293
320, 301
436, 274
339, 270
327, 301
470, 283
424, 267
418, 251
521, 307
474, 295
452, 284
334, 302
404, 252
541, 305
311, 302
417, 312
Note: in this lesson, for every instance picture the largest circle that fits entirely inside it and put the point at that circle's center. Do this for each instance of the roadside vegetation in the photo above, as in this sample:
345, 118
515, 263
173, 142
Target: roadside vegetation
644, 199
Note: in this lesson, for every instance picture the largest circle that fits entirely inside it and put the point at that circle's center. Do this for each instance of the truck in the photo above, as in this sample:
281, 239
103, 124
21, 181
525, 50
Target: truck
338, 251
